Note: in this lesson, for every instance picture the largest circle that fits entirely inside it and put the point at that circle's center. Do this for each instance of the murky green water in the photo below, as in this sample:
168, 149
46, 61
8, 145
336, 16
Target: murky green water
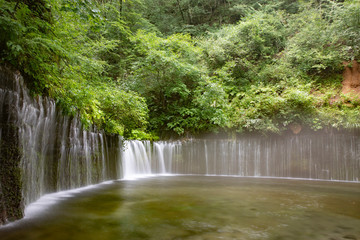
195, 207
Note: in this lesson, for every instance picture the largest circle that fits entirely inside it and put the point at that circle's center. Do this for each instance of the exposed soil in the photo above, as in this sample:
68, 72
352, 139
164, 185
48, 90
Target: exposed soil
350, 88
351, 82
295, 128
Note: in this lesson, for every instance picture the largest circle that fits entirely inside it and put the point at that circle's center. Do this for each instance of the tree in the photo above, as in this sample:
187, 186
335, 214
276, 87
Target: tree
170, 76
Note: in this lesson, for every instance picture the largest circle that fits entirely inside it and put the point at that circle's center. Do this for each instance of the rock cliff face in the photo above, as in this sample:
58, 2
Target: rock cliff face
11, 204
2, 208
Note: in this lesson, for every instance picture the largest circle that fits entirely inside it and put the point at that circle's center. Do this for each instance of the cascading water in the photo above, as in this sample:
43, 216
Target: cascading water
143, 158
164, 153
57, 153
159, 147
136, 161
334, 156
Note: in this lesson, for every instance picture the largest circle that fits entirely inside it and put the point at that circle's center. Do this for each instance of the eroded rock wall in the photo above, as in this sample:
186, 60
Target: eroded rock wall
11, 201
351, 82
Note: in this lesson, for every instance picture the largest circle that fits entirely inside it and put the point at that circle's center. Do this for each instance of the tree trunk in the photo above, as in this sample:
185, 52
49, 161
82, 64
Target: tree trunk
181, 12
120, 7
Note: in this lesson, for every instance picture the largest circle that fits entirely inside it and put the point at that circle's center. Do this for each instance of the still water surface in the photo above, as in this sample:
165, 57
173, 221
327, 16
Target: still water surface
198, 207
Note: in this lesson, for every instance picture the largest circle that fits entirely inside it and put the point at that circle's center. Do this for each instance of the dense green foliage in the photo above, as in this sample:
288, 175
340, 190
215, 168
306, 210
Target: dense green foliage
151, 66
67, 48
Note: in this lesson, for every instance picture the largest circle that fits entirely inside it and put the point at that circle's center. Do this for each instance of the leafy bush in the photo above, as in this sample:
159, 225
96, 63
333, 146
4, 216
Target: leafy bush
314, 47
257, 38
273, 108
170, 76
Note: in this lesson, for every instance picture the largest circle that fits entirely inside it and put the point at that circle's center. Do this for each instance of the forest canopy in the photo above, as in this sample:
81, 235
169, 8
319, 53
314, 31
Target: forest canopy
143, 68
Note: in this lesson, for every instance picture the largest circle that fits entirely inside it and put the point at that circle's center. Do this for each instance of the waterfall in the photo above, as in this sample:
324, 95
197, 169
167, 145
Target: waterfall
332, 156
56, 153
160, 156
136, 160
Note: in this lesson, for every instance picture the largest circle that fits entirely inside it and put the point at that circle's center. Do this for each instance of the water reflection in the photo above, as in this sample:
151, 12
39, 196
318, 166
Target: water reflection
195, 207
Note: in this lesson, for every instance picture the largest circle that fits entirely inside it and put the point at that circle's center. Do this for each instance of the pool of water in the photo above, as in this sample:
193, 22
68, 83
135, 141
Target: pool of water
196, 207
